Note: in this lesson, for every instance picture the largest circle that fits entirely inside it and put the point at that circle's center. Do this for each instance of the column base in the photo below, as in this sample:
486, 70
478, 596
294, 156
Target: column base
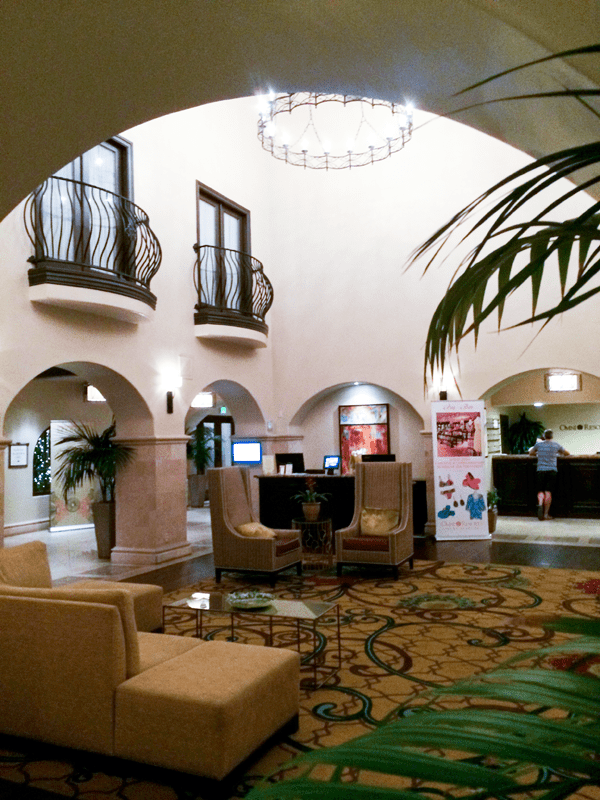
132, 555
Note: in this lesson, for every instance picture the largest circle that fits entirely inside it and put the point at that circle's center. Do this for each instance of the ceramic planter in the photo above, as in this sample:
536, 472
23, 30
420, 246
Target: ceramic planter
311, 511
105, 525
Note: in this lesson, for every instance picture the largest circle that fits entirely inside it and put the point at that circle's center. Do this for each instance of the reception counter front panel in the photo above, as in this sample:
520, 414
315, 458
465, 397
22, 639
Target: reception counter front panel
277, 509
577, 491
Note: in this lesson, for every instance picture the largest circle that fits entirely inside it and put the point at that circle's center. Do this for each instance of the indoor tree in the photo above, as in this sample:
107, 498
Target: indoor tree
93, 455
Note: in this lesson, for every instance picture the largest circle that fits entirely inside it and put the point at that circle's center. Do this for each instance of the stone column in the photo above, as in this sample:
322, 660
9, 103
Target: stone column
152, 503
428, 450
3, 445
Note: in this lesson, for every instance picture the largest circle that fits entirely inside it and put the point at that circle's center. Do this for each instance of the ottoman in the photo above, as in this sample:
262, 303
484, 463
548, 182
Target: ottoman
207, 710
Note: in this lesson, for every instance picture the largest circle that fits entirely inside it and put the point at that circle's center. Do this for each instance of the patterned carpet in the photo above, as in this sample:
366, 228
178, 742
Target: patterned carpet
439, 622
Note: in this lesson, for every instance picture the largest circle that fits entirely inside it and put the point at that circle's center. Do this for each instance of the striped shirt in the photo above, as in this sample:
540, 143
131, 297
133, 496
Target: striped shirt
547, 451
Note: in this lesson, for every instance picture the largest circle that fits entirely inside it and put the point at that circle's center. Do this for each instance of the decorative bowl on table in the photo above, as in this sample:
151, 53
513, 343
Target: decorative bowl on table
249, 600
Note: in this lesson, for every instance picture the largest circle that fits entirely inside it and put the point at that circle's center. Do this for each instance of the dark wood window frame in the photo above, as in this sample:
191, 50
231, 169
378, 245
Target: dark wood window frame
204, 192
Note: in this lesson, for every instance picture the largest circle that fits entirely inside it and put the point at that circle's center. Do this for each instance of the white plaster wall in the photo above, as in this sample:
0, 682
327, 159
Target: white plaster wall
576, 427
320, 425
29, 415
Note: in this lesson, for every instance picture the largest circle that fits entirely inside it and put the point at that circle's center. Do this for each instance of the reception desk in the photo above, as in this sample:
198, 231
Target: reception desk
277, 509
577, 492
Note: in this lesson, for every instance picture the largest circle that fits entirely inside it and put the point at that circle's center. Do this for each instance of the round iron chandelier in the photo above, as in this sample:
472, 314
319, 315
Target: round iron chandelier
303, 129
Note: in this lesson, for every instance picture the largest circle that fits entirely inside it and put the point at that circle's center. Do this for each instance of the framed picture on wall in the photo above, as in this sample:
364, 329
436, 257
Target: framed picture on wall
363, 429
18, 455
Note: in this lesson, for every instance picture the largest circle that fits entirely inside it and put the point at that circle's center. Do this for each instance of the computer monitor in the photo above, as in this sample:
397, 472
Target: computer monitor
331, 463
379, 457
295, 459
246, 453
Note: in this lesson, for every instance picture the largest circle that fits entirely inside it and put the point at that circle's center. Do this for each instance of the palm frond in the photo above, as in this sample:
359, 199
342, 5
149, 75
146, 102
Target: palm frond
546, 243
93, 454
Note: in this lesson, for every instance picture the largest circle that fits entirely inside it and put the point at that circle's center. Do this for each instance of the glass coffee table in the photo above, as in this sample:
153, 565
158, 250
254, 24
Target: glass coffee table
305, 615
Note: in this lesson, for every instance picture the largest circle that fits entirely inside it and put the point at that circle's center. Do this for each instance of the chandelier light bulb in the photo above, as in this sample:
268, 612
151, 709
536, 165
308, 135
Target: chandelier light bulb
379, 129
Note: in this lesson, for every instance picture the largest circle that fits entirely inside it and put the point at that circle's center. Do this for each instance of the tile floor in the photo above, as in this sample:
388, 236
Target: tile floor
570, 543
73, 554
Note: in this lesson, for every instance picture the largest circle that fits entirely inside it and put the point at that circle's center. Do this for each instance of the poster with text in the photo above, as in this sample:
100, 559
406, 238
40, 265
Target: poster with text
459, 469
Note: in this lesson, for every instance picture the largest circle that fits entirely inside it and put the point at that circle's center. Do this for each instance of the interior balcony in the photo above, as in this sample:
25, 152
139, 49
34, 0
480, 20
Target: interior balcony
94, 251
234, 295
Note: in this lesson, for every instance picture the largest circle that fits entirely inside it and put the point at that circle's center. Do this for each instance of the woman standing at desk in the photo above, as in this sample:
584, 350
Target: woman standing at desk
547, 452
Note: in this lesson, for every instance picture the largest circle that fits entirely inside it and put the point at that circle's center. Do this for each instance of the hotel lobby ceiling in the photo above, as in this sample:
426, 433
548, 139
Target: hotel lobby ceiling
75, 73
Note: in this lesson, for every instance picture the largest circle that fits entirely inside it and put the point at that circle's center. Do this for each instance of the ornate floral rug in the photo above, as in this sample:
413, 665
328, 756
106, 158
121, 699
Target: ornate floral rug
438, 623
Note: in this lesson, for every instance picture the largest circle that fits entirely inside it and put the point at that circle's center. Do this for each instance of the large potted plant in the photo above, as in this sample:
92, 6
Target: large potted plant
523, 434
95, 456
200, 451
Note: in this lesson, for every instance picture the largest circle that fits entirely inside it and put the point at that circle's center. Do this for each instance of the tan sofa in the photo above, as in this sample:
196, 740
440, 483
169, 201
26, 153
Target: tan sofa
75, 672
27, 565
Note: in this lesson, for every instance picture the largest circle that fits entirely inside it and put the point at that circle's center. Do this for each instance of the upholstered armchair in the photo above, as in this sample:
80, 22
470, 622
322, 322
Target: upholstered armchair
240, 542
381, 531
26, 565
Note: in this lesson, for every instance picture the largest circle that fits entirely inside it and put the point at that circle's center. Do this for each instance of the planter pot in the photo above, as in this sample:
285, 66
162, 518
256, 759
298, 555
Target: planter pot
197, 485
311, 511
105, 525
492, 519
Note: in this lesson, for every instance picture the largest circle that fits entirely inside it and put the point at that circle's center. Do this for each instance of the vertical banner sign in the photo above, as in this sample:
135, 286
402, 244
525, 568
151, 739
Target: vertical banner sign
459, 469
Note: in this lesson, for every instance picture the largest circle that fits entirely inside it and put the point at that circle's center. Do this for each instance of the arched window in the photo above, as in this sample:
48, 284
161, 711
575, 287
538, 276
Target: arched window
42, 471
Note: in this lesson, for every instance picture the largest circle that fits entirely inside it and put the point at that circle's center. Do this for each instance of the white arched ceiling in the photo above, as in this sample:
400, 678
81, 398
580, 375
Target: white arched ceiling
75, 73
130, 409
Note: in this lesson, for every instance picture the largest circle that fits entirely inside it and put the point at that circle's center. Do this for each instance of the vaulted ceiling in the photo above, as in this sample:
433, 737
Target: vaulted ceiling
73, 73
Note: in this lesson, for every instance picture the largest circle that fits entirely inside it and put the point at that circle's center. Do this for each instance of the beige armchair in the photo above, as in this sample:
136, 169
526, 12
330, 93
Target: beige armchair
26, 565
231, 507
381, 531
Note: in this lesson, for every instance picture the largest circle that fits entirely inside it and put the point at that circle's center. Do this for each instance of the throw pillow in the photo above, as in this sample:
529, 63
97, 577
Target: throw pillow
256, 530
378, 521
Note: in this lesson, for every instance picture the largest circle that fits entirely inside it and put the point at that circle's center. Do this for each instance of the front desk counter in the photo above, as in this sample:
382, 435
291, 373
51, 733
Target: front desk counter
277, 509
577, 492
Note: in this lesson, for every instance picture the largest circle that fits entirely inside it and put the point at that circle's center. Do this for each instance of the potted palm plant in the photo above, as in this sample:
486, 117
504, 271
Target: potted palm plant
200, 451
94, 456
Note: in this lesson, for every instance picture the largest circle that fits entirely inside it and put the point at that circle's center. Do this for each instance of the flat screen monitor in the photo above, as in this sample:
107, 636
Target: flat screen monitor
379, 457
331, 462
295, 459
246, 453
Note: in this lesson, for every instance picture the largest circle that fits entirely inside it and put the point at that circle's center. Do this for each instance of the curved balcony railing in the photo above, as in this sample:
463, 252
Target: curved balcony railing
86, 236
232, 289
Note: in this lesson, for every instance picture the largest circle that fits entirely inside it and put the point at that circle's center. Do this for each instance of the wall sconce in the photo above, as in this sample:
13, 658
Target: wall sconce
172, 381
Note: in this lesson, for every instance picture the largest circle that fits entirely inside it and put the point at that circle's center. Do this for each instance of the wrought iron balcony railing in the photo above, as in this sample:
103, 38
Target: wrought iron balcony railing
86, 236
232, 289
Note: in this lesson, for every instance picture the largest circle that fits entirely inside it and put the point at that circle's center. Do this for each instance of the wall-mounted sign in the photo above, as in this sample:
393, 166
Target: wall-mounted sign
459, 470
18, 455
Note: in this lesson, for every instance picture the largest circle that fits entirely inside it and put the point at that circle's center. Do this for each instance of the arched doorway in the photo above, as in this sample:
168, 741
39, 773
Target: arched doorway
35, 420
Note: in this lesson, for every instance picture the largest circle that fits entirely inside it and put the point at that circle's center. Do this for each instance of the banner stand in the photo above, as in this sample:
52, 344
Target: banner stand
459, 470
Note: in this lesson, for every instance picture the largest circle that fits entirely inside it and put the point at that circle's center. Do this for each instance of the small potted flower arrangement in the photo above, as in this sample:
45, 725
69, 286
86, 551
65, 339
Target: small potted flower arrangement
492, 504
311, 499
